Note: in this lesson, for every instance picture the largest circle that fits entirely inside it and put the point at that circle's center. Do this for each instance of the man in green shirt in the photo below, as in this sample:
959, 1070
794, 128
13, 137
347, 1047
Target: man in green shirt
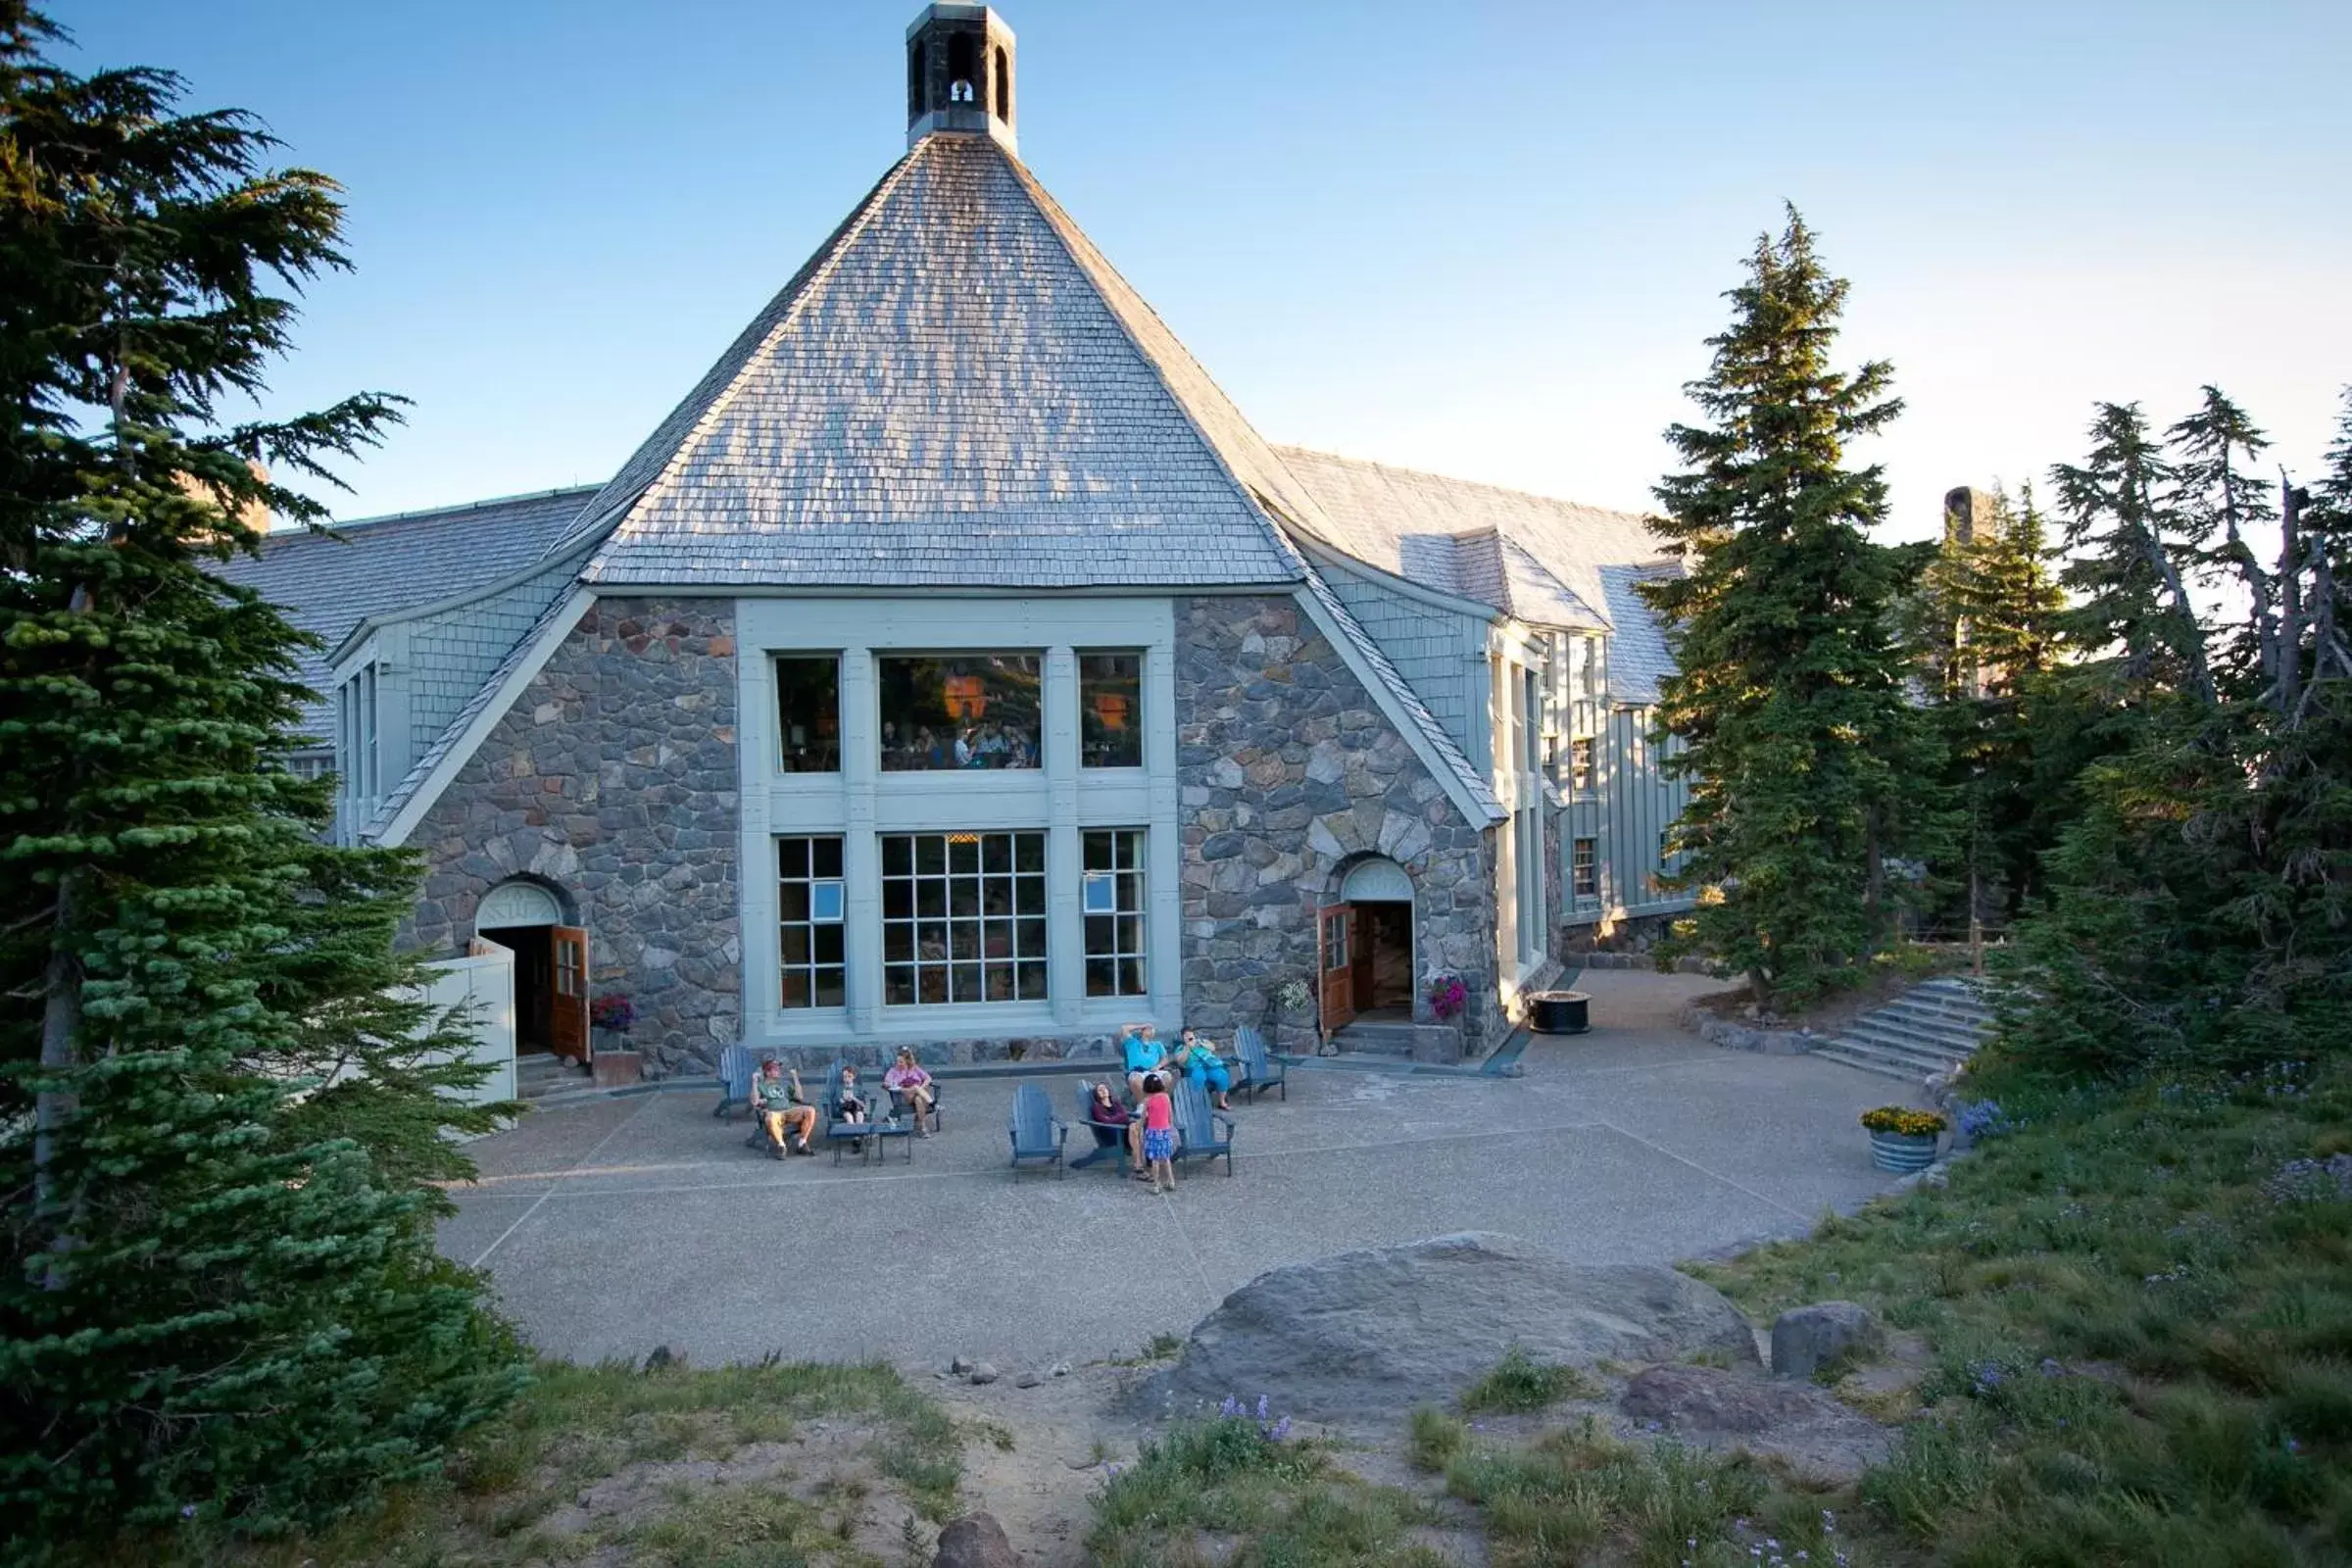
784, 1111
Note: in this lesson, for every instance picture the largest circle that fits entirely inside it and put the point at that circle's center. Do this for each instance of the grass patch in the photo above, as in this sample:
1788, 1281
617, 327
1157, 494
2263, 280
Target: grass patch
1225, 1490
1519, 1383
2139, 1307
578, 1425
1575, 1494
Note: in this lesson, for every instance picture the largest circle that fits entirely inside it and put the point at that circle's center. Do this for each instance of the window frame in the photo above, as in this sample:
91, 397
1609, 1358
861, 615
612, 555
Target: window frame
777, 658
889, 761
1584, 868
949, 903
1128, 875
810, 967
1135, 724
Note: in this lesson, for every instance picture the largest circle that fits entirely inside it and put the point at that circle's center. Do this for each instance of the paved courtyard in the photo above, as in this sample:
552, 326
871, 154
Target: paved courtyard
619, 1225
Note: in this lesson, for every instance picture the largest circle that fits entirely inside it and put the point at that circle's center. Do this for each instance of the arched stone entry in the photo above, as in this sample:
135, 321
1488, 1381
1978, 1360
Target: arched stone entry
550, 966
1367, 945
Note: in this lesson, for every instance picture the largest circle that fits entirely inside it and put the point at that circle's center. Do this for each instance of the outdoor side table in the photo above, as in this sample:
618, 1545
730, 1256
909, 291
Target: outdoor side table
899, 1127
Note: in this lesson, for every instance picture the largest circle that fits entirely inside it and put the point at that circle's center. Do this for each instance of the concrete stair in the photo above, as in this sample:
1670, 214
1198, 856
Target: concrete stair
1931, 1028
539, 1074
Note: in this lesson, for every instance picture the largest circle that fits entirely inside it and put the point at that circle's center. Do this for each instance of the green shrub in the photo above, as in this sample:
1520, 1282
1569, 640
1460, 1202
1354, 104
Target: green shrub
1520, 1383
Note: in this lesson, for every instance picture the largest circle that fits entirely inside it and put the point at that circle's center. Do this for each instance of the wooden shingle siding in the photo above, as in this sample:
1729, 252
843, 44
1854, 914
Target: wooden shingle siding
1440, 652
452, 654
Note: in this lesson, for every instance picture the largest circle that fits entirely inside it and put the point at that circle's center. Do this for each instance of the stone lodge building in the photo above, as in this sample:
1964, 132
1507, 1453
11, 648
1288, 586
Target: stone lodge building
956, 665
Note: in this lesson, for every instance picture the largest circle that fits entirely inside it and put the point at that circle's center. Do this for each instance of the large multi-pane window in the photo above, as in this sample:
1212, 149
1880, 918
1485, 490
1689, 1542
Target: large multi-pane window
810, 908
1112, 899
1110, 710
963, 917
809, 712
949, 710
1584, 868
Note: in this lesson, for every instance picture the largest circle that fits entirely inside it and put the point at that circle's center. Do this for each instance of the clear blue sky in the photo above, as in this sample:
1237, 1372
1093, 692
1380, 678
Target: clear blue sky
1483, 238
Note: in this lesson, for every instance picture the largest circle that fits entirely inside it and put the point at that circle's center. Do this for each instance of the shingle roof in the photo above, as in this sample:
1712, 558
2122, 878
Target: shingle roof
327, 584
956, 390
1544, 560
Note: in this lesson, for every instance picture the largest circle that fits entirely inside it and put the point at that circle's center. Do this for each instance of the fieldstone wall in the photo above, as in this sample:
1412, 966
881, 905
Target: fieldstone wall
1289, 770
612, 780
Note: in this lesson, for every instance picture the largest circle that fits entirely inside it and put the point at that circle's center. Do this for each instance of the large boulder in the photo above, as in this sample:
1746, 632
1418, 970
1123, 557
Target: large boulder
975, 1540
1805, 1338
1711, 1409
1360, 1337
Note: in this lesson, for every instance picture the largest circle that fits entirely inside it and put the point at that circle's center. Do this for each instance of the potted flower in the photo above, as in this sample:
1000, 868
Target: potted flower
1902, 1138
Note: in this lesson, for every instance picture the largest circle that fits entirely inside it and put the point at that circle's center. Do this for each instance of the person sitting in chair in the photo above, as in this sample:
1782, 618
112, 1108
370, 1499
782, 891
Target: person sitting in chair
784, 1112
852, 1106
1202, 1064
907, 1082
1112, 1126
1143, 1053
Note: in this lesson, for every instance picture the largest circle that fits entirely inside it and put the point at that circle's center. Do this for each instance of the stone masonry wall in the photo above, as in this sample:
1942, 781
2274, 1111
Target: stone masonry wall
1289, 770
612, 780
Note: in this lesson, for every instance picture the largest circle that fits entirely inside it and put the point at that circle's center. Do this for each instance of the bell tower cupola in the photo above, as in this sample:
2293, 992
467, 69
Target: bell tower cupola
959, 73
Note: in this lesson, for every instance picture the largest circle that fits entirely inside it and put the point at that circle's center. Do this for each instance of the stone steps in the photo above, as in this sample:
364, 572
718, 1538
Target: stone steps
1929, 1029
539, 1074
1377, 1040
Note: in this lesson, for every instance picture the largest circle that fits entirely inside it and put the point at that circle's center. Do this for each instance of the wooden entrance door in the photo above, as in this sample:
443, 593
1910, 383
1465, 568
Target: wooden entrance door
1336, 939
567, 1023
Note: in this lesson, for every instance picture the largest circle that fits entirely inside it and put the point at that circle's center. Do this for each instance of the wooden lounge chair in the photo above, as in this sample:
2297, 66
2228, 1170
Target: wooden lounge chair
736, 1066
1095, 1154
1037, 1133
1260, 1069
1198, 1124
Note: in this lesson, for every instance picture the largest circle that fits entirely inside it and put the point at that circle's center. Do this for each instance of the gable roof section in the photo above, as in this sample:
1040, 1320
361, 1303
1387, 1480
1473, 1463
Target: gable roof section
332, 583
1547, 562
956, 390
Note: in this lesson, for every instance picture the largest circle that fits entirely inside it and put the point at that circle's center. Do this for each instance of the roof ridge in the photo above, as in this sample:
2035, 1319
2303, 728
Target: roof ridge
795, 293
1064, 230
280, 537
1281, 448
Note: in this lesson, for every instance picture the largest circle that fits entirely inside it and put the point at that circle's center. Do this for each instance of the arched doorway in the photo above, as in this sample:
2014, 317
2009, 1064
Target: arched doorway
1368, 947
551, 966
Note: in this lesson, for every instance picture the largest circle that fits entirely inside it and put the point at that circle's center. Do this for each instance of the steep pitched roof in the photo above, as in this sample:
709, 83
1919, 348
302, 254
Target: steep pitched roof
956, 390
329, 583
1544, 560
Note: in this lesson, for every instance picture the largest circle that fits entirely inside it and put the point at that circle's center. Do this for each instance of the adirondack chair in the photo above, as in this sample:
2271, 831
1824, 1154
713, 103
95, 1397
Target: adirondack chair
1036, 1132
1198, 1124
1260, 1069
1114, 1151
736, 1064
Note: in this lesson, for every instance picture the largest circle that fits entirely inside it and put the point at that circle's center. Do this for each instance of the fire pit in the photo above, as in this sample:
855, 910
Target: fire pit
1560, 1012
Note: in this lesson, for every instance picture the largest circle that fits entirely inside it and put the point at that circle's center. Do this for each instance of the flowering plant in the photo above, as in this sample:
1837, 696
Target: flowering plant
1903, 1120
1294, 996
612, 1011
1447, 994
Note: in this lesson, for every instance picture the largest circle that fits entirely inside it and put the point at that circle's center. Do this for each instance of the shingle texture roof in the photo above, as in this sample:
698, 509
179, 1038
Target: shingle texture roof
329, 583
956, 390
1547, 562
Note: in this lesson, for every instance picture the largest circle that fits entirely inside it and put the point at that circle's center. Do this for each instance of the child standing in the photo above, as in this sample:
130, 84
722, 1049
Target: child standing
1159, 1133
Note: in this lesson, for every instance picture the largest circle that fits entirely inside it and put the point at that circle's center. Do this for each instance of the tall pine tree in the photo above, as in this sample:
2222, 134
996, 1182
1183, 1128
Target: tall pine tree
221, 1298
1805, 759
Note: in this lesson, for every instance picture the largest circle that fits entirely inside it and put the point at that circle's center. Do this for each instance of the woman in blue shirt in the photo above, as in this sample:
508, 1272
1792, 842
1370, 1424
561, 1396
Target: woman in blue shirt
1143, 1053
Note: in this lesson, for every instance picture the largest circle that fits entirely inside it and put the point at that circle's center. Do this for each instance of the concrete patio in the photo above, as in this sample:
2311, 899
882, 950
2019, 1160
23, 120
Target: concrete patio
617, 1225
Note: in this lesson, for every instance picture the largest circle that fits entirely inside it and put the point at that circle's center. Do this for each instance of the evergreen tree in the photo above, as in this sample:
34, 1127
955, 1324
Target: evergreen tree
2133, 619
1986, 622
222, 1297
2202, 917
2220, 500
1804, 756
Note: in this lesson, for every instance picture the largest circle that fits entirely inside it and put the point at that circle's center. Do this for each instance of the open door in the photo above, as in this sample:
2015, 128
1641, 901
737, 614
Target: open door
568, 1027
1336, 945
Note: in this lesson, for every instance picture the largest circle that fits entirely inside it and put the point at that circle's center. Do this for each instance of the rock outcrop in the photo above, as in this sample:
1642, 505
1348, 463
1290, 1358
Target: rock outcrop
1361, 1337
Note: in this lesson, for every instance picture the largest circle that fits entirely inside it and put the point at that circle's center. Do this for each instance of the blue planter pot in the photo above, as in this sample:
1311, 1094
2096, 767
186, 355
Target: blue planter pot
1902, 1153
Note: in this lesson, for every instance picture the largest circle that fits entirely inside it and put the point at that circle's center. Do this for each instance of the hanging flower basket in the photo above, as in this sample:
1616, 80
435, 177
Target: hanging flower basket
1447, 996
612, 1012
